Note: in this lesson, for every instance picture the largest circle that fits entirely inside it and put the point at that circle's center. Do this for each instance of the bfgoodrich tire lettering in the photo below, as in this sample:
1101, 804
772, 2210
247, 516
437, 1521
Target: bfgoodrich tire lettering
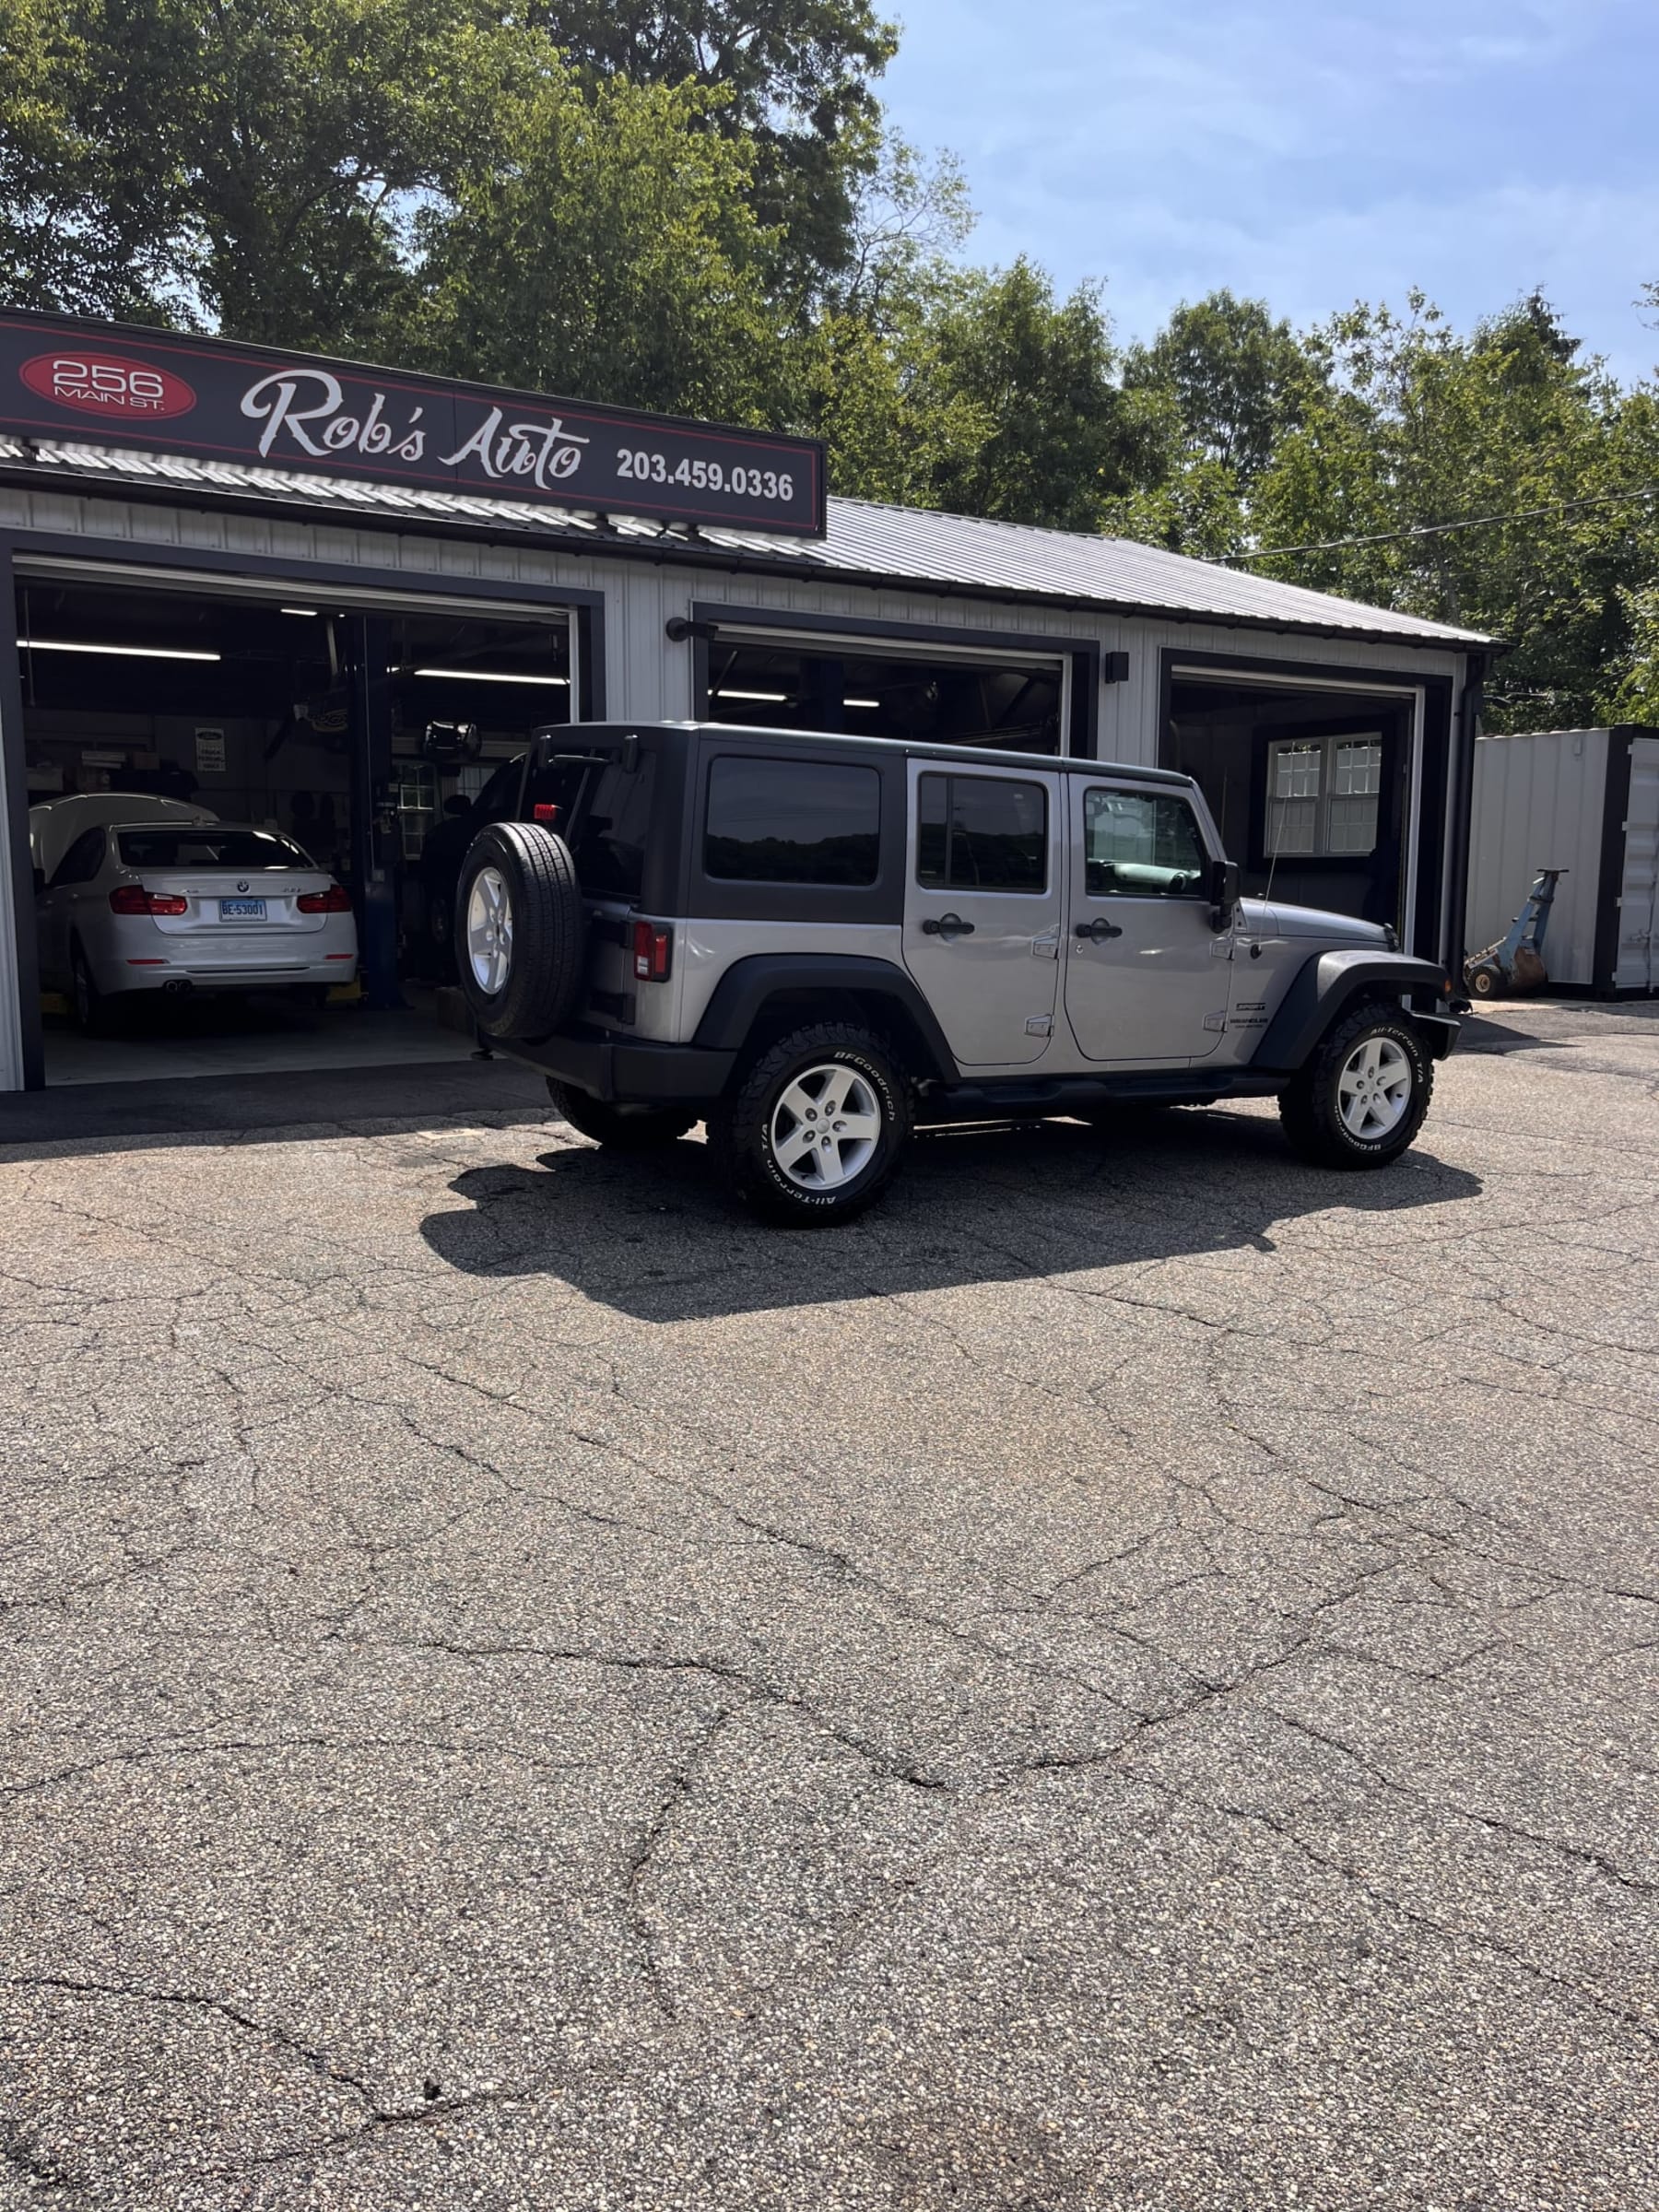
1361, 1098
519, 930
833, 1087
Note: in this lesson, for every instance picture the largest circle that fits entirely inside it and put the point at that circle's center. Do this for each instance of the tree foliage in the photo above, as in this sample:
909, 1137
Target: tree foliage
1237, 378
697, 205
610, 247
1489, 481
794, 80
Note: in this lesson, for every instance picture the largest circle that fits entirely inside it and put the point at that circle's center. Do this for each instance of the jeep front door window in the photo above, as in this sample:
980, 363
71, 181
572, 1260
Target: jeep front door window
1144, 983
982, 909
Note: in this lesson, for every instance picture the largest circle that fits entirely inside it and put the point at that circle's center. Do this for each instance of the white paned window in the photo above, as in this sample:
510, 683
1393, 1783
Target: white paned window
416, 797
1294, 782
1356, 786
1323, 796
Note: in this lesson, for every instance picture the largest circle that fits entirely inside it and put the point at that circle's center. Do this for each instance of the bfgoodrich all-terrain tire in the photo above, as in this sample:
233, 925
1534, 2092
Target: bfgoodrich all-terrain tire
1361, 1098
519, 930
623, 1128
815, 1127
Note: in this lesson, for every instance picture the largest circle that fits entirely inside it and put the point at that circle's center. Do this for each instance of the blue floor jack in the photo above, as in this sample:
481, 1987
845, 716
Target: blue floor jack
1515, 964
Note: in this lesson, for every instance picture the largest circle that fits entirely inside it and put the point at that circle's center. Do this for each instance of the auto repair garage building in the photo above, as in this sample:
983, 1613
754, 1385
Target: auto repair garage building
332, 601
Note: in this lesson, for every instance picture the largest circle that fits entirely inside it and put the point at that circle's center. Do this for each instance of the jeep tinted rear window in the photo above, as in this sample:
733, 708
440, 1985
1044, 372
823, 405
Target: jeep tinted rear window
606, 816
793, 821
982, 833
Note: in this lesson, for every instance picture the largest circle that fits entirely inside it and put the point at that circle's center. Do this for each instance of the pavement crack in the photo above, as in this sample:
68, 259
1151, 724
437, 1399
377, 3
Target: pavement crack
642, 1859
135, 1993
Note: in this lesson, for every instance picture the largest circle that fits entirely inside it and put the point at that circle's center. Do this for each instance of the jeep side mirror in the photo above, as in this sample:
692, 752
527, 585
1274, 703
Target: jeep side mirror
1223, 893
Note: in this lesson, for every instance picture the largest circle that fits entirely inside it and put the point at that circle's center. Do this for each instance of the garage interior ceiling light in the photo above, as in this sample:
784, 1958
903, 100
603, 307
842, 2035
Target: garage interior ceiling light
769, 699
488, 676
136, 653
298, 610
861, 702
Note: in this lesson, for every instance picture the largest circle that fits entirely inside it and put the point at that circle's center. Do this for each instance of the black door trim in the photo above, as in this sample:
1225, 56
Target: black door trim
1084, 653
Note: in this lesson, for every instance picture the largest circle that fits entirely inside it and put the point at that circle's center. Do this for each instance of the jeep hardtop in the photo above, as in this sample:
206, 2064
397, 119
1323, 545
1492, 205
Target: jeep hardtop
815, 944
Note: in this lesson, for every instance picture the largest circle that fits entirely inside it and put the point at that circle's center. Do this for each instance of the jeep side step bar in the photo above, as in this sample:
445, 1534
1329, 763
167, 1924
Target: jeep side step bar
938, 1103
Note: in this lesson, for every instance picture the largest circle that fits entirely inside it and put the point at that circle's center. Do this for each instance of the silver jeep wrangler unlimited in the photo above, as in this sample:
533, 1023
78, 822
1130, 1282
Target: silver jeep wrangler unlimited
814, 943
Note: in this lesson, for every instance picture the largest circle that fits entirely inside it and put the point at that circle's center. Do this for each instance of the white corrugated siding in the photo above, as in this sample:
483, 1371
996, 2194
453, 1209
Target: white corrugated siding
1637, 962
1538, 805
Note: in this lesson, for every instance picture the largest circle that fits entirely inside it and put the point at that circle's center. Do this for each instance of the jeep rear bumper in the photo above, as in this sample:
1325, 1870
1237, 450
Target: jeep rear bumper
626, 1071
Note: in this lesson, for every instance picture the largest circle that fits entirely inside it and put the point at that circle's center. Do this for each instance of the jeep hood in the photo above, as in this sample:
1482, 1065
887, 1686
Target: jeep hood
1281, 921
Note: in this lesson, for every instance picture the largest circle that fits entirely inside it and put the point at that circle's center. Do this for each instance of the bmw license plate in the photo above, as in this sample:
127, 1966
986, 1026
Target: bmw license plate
242, 909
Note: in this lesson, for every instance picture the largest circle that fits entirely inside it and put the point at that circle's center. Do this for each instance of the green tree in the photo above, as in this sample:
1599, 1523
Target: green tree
1240, 380
1040, 372
86, 203
257, 167
1416, 433
608, 248
795, 75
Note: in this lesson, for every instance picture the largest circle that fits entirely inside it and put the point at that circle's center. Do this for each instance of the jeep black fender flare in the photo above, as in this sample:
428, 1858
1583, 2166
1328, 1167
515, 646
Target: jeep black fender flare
1325, 986
743, 993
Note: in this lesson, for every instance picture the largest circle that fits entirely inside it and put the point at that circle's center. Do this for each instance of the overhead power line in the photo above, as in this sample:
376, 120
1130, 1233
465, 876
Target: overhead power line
1472, 522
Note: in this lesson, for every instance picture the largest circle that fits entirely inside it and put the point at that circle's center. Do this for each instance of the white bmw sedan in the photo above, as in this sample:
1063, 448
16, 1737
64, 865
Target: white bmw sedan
171, 906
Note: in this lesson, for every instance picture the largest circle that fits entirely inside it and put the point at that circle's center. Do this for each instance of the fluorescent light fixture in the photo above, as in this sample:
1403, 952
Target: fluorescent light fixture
136, 652
861, 702
298, 610
488, 676
768, 698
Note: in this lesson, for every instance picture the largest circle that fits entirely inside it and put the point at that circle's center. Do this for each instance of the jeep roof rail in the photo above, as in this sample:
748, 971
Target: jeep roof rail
916, 748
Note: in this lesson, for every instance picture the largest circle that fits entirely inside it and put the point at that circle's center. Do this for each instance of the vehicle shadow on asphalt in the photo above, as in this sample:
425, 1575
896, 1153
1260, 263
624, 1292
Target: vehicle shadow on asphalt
655, 1237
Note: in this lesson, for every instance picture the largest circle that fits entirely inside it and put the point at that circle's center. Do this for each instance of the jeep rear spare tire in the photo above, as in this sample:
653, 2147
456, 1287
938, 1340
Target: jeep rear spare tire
1362, 1095
814, 1128
519, 929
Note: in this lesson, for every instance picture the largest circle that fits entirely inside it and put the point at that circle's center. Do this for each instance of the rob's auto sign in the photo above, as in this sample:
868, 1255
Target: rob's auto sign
113, 384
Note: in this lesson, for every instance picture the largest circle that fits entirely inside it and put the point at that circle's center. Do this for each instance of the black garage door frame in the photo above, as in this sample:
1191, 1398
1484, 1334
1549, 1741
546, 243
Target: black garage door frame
1081, 654
120, 557
1440, 826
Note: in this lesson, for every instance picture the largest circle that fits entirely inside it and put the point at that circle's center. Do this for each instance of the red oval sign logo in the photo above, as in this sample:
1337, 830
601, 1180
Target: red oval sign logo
108, 384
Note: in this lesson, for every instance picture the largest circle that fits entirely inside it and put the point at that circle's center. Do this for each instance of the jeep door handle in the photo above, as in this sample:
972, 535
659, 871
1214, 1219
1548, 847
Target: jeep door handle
947, 926
1099, 929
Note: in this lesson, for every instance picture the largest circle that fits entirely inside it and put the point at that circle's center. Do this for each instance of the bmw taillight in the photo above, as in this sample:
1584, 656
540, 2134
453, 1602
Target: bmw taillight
653, 951
335, 900
133, 899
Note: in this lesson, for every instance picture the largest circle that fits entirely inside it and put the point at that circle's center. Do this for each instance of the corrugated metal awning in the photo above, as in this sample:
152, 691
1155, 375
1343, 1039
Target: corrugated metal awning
892, 545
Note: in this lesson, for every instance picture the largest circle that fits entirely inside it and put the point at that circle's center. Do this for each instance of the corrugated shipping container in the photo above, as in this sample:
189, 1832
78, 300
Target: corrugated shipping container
1586, 801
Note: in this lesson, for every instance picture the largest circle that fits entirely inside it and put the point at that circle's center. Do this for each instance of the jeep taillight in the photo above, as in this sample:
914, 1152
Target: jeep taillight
653, 951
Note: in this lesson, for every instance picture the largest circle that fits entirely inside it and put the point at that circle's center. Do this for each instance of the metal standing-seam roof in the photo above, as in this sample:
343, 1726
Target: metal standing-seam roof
893, 546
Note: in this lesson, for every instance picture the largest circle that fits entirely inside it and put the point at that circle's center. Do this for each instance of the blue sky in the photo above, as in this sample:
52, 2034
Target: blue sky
1309, 154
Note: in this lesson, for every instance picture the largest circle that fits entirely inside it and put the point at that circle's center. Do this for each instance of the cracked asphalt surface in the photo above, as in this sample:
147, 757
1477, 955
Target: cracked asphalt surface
1124, 1680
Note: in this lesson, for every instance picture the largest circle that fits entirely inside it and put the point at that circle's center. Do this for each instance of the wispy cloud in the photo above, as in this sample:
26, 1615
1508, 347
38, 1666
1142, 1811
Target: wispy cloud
1314, 153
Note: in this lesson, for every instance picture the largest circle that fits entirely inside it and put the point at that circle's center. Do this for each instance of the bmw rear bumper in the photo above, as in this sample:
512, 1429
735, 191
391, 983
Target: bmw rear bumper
116, 978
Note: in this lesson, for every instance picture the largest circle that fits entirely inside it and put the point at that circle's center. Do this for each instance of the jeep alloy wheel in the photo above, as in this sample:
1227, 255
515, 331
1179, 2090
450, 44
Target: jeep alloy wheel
489, 931
826, 1126
1375, 1087
519, 930
816, 1125
1362, 1095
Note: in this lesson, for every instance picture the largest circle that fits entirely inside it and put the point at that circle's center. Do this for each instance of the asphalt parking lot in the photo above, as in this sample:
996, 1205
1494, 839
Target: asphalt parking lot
1124, 1680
